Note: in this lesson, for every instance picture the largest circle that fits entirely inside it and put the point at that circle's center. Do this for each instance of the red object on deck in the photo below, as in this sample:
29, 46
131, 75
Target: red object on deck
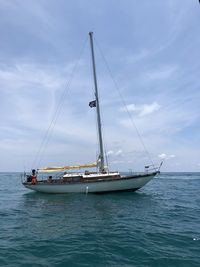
34, 179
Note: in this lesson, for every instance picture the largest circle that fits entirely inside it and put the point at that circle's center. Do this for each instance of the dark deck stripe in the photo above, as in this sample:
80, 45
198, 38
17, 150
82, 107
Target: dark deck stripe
91, 180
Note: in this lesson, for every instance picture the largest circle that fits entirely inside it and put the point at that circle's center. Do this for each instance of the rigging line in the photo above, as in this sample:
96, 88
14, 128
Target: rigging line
124, 103
58, 109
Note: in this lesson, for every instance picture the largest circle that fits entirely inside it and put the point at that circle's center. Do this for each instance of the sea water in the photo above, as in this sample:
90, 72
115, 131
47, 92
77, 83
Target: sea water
158, 225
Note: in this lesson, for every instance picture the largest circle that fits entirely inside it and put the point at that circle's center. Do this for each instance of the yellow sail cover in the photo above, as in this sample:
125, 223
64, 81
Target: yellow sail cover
62, 168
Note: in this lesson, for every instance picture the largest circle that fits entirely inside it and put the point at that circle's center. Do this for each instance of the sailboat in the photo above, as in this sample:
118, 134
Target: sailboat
99, 181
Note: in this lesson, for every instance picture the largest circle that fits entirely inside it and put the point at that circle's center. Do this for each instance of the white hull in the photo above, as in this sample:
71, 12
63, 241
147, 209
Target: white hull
88, 182
123, 184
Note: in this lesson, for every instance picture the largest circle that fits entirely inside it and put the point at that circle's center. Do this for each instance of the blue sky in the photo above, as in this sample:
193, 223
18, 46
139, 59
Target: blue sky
153, 51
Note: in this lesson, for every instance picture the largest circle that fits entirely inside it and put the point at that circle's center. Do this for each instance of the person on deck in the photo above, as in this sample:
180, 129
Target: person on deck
50, 179
33, 177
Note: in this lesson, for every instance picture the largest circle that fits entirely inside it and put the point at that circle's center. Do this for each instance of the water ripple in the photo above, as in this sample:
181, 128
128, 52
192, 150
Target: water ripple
156, 226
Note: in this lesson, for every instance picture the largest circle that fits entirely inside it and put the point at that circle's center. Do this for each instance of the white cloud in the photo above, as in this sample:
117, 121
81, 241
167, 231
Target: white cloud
176, 115
23, 74
162, 156
119, 152
115, 153
110, 152
140, 55
155, 73
30, 94
165, 156
117, 162
142, 110
161, 73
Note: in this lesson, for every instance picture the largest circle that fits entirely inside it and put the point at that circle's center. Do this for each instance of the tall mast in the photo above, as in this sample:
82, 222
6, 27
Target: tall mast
101, 156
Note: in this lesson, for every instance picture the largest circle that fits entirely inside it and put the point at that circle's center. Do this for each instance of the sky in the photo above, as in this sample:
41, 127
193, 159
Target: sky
148, 69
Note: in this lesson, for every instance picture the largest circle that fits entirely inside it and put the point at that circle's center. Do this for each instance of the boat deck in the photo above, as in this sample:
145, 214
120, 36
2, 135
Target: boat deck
92, 177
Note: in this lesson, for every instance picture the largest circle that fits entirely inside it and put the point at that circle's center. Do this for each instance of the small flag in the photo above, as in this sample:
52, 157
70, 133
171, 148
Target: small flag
92, 104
